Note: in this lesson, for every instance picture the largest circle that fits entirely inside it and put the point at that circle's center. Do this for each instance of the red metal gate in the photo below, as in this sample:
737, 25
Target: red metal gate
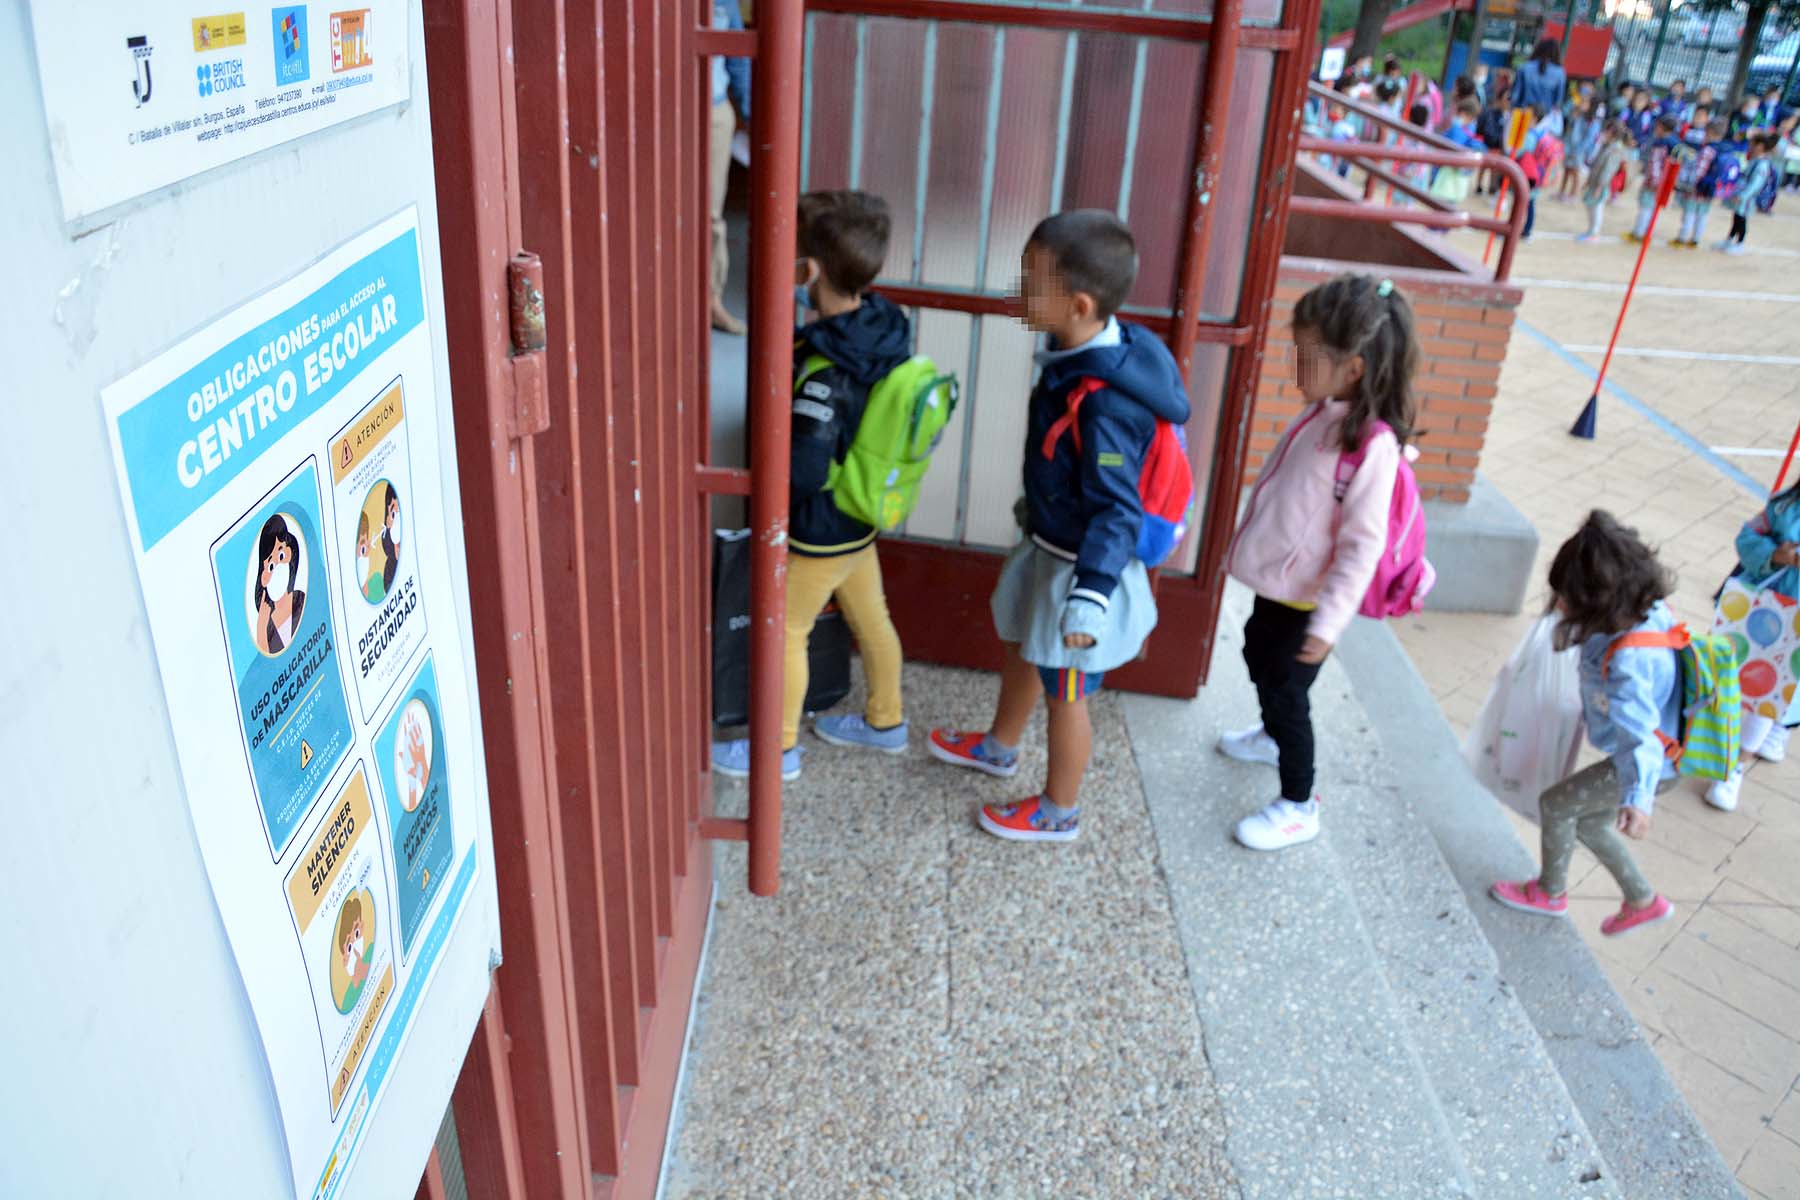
576, 130
1188, 110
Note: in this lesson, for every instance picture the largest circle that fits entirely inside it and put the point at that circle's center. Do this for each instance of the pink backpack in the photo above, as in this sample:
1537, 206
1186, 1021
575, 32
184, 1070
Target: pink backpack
1404, 575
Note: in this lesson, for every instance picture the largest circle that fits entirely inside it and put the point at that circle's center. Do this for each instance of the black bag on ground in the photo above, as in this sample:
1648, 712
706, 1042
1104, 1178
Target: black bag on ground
827, 653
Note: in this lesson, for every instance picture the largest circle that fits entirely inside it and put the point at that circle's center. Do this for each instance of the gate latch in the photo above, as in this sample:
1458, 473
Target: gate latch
531, 394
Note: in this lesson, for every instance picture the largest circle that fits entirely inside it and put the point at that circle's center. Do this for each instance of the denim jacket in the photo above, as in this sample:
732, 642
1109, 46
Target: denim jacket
1628, 702
730, 76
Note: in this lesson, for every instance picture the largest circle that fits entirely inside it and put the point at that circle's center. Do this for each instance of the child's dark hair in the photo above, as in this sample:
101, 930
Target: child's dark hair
1094, 253
1468, 107
1605, 579
1665, 125
1419, 114
1717, 128
1358, 314
1386, 90
846, 233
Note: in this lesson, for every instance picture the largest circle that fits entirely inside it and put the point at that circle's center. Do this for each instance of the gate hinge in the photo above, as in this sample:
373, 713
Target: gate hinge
530, 413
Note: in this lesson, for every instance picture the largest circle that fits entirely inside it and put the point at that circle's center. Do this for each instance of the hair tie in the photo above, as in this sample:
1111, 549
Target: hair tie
1385, 288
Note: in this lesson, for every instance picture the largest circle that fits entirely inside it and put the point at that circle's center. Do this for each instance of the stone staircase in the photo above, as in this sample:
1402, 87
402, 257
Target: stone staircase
1155, 1011
1378, 1027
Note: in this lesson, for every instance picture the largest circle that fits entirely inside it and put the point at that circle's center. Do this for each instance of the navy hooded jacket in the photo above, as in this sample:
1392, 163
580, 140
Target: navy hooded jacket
863, 345
1085, 505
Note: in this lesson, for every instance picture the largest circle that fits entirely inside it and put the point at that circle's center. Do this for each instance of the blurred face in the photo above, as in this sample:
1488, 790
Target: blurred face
1323, 373
1048, 304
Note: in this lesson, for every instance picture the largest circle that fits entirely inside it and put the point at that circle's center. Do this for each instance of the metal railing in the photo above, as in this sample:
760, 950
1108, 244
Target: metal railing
1428, 149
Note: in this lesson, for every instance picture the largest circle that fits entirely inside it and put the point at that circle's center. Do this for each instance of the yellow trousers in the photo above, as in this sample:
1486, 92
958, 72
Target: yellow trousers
856, 581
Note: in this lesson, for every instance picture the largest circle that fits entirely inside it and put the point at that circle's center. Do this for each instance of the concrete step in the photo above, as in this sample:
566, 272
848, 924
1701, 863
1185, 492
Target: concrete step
1652, 1145
1363, 1038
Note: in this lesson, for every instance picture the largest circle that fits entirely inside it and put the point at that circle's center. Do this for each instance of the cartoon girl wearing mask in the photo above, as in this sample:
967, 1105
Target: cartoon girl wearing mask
278, 604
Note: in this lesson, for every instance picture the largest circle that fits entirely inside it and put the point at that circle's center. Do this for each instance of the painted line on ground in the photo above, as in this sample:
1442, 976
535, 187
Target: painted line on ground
1651, 289
1768, 360
1750, 451
1750, 248
1674, 431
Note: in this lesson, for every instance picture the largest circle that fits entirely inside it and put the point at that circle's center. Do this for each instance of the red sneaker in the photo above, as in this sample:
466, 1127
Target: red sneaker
1024, 822
965, 750
1629, 918
1529, 897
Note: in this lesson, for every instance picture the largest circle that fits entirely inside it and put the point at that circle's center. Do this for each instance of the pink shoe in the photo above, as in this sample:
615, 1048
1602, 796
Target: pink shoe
1629, 918
1529, 897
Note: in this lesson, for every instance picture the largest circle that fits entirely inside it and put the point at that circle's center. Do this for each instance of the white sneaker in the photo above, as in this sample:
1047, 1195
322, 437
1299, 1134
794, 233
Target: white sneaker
1723, 795
1774, 747
1280, 825
1251, 745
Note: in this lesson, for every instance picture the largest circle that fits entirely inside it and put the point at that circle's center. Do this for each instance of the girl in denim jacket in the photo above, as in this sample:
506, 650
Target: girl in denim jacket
1605, 584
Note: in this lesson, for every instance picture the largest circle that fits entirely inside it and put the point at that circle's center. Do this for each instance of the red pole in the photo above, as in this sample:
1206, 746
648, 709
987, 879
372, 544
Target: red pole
1584, 425
1209, 155
1787, 462
775, 84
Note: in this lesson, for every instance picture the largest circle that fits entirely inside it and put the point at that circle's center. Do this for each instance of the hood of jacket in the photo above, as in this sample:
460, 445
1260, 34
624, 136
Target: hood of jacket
1138, 365
866, 343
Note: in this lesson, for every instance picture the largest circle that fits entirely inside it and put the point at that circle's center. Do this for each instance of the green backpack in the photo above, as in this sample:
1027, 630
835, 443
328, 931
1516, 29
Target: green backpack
878, 481
1711, 699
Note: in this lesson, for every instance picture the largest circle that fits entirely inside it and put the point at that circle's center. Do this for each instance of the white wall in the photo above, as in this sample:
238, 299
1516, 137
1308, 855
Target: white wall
129, 1060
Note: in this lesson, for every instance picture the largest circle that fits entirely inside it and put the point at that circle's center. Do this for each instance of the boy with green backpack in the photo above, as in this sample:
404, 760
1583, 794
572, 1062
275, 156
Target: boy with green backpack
867, 414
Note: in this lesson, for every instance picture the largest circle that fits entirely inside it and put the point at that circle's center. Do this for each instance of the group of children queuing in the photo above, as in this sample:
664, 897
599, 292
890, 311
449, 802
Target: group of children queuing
1587, 145
1074, 599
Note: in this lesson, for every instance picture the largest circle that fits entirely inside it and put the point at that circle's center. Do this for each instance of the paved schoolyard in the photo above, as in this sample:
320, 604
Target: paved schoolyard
1710, 399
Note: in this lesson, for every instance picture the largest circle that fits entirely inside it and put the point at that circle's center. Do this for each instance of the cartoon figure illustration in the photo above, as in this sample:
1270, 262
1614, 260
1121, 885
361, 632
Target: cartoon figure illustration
412, 756
390, 538
364, 582
353, 950
278, 601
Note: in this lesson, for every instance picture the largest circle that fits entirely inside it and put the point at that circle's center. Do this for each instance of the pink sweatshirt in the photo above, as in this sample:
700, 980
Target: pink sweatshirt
1296, 542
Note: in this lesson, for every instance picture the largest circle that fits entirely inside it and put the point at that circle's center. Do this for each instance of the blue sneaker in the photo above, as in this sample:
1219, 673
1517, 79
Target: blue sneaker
853, 731
732, 759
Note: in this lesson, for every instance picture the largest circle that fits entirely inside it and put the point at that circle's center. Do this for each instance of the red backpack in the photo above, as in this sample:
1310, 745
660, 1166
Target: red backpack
1404, 575
1165, 484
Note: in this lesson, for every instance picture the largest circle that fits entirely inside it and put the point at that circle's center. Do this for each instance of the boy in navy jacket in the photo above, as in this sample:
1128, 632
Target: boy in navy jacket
842, 239
1073, 600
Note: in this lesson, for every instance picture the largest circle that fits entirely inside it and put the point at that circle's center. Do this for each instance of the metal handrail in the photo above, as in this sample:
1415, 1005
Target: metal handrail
1429, 149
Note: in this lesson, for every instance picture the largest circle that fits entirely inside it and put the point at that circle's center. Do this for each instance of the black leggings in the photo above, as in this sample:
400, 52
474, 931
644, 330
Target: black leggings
1740, 225
1272, 638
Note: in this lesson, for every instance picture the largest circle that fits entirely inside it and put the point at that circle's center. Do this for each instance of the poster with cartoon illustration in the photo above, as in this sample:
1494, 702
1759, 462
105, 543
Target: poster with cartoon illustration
342, 913
410, 755
371, 487
274, 592
310, 621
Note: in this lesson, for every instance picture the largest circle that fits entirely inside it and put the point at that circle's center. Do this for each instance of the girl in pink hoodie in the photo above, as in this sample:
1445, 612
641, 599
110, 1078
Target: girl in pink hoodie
1315, 526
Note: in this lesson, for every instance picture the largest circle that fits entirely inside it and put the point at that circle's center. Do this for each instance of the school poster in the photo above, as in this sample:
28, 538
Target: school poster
279, 475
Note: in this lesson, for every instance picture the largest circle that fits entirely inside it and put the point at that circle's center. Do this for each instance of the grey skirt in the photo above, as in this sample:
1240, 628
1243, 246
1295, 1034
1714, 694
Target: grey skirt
1028, 607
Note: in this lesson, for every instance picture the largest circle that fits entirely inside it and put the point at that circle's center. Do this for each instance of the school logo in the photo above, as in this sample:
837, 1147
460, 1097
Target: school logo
140, 57
291, 65
350, 49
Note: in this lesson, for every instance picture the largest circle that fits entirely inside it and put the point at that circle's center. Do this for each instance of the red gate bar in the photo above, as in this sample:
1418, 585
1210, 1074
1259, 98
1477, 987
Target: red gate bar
775, 191
1209, 151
